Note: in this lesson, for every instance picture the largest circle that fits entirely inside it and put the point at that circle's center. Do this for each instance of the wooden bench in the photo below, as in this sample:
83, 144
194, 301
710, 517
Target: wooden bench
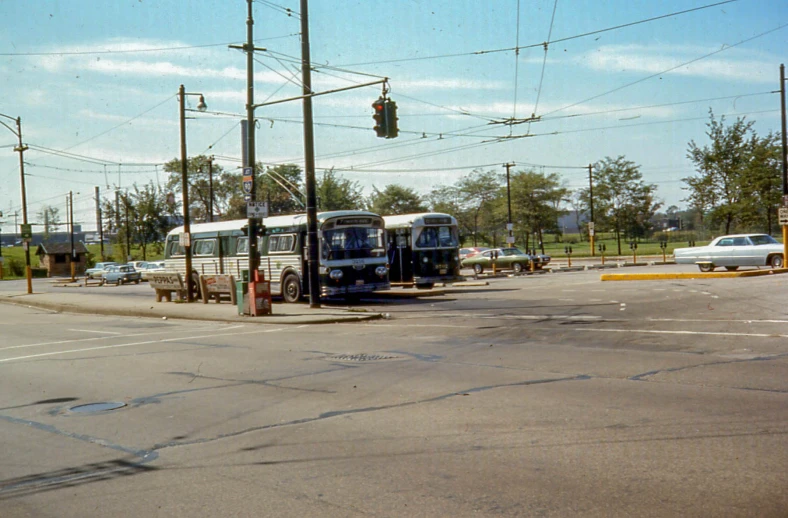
217, 286
166, 284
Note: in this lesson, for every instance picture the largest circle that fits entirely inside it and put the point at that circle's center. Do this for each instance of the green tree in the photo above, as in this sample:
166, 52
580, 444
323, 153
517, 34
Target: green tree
478, 192
536, 204
622, 200
280, 186
50, 216
336, 193
149, 217
395, 199
200, 170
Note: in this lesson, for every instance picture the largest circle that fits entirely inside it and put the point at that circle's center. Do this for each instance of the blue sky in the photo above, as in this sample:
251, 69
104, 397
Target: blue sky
99, 80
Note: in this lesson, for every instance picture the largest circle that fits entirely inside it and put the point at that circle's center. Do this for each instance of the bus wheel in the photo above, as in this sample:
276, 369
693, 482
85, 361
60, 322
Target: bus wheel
291, 289
518, 268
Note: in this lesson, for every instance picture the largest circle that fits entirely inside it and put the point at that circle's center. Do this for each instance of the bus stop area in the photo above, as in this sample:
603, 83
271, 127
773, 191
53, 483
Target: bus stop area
65, 297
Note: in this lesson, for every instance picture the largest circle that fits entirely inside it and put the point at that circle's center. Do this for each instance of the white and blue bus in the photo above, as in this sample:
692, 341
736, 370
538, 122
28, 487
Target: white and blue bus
352, 248
423, 249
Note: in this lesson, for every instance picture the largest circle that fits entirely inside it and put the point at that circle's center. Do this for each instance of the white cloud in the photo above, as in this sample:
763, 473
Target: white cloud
728, 65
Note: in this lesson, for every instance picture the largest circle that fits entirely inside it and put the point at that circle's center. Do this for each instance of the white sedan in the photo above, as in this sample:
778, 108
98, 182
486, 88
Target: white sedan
734, 251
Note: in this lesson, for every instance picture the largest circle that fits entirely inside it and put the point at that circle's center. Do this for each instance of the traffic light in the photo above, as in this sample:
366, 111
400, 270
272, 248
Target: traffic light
380, 118
391, 119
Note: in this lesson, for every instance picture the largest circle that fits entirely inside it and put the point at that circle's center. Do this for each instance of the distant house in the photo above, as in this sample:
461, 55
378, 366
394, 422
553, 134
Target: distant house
56, 258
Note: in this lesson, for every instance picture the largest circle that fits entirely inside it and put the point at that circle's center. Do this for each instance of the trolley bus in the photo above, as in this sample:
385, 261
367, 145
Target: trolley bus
352, 248
423, 249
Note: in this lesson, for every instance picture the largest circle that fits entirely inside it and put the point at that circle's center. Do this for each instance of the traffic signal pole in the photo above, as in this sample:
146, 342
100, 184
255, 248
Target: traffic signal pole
785, 162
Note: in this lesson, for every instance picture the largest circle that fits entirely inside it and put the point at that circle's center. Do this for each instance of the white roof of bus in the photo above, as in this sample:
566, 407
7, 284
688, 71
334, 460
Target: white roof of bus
216, 226
406, 220
274, 221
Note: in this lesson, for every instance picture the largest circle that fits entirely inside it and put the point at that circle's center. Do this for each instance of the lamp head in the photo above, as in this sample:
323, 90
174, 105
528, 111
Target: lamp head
201, 106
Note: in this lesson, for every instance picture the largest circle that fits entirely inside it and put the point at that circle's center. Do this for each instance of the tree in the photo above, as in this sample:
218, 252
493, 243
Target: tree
199, 169
149, 217
478, 192
737, 179
51, 217
622, 201
336, 193
536, 203
395, 199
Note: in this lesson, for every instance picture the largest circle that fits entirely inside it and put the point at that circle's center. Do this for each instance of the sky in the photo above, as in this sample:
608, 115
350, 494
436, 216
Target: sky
95, 84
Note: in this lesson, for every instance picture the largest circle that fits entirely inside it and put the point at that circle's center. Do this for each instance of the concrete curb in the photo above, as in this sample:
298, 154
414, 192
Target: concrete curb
163, 312
698, 275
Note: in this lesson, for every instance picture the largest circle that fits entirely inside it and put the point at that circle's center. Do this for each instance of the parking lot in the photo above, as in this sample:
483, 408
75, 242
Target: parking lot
553, 394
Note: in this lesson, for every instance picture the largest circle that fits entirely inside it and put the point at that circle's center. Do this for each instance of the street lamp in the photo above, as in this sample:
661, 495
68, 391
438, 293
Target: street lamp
21, 148
187, 242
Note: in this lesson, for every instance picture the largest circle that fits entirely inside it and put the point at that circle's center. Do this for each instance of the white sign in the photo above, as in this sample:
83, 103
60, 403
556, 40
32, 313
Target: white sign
257, 209
590, 225
510, 226
510, 240
183, 239
782, 215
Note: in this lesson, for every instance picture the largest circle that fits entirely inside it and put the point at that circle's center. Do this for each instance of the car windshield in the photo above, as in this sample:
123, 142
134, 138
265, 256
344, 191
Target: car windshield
763, 240
353, 243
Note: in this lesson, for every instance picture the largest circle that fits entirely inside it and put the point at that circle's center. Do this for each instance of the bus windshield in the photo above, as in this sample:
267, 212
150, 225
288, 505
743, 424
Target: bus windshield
353, 243
437, 237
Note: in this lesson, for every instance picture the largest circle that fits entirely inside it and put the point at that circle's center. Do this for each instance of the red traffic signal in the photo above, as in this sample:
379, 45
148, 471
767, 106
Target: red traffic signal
380, 118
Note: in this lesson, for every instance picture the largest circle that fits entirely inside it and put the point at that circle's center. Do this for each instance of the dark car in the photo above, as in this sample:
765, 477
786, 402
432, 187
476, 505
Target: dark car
121, 274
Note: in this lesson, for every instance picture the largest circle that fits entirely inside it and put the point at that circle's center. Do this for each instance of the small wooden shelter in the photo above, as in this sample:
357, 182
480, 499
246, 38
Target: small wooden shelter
56, 258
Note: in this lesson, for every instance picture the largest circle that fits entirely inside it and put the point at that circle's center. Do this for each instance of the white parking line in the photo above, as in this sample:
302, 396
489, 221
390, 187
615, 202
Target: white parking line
131, 344
668, 332
94, 331
130, 335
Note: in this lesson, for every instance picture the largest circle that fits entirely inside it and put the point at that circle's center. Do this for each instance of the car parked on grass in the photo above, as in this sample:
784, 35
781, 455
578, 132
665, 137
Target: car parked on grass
98, 271
733, 251
505, 259
154, 267
121, 274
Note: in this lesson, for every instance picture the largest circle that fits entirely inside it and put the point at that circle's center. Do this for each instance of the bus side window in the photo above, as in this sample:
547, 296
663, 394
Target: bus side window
242, 246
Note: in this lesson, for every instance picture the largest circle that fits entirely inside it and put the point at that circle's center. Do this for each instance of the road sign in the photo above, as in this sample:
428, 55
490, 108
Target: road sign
590, 225
257, 209
247, 197
510, 240
26, 229
782, 215
247, 185
248, 171
183, 239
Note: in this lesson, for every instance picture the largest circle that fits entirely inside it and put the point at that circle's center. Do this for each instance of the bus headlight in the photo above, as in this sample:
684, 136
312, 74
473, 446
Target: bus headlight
426, 259
335, 274
381, 271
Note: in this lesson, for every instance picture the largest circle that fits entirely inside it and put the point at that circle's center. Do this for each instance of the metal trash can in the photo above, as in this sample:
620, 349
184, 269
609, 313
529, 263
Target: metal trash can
242, 293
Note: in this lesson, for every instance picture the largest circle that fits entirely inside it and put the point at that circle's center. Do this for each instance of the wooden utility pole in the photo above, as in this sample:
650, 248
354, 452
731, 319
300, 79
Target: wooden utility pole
591, 229
509, 224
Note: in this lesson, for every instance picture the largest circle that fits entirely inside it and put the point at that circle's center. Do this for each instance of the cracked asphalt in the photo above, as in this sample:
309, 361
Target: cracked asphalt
550, 395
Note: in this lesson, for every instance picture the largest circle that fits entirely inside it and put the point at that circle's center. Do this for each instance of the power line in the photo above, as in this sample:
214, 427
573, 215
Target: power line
534, 45
544, 61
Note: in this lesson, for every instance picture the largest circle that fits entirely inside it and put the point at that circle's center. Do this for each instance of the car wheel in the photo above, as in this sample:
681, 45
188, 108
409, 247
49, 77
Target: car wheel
291, 289
425, 286
706, 267
196, 285
137, 281
478, 268
518, 268
776, 261
731, 268
120, 281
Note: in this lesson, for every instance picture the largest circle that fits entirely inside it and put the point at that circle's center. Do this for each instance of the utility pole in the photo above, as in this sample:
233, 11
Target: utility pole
785, 162
71, 233
250, 133
509, 225
591, 229
99, 226
210, 188
128, 228
309, 163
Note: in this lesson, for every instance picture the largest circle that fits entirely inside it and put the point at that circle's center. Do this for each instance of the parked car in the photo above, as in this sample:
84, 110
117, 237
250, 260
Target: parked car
507, 259
97, 272
121, 274
733, 251
153, 267
471, 251
138, 265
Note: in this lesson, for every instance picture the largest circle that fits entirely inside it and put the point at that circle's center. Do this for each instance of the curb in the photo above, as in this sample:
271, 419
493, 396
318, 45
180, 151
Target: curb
699, 275
300, 319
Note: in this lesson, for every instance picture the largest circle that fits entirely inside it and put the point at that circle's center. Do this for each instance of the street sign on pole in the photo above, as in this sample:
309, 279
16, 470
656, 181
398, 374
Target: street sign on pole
26, 230
257, 209
782, 215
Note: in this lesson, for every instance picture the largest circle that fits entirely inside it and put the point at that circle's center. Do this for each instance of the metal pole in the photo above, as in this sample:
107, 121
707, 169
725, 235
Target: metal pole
785, 162
99, 225
185, 188
251, 159
309, 162
592, 231
509, 227
210, 188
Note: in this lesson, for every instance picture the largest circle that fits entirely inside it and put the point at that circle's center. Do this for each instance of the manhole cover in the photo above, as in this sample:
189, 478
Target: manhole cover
362, 357
93, 408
